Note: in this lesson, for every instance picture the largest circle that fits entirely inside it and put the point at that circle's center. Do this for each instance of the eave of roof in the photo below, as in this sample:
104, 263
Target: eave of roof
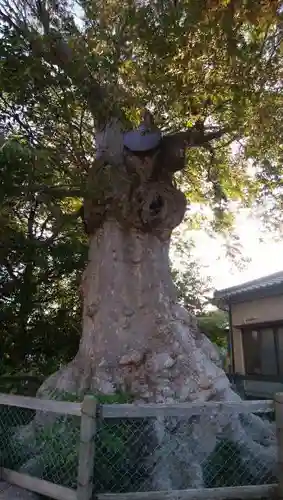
259, 288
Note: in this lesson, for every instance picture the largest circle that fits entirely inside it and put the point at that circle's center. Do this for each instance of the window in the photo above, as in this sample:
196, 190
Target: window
263, 350
280, 348
268, 352
251, 346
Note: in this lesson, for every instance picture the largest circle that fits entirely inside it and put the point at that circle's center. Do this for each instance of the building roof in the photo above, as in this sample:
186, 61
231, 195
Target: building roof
259, 288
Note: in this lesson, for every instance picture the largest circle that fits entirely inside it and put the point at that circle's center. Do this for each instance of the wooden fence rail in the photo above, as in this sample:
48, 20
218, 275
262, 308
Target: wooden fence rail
141, 410
88, 411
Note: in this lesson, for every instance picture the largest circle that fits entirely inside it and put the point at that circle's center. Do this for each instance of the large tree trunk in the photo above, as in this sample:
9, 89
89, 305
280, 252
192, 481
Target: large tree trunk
136, 338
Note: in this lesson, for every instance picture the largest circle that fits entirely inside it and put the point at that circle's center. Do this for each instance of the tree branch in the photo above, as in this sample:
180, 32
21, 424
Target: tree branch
50, 192
194, 137
172, 156
7, 289
55, 50
10, 270
31, 219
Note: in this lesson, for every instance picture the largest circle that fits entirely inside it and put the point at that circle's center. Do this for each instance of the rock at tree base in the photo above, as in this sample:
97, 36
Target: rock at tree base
138, 340
10, 492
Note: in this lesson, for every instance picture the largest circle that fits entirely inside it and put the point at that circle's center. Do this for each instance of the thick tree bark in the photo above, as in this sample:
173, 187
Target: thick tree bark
136, 338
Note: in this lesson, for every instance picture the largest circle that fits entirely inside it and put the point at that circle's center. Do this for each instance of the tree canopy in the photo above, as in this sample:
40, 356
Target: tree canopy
190, 277
214, 63
41, 263
207, 67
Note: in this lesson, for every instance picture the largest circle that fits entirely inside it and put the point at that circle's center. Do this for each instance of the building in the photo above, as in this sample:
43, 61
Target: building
256, 333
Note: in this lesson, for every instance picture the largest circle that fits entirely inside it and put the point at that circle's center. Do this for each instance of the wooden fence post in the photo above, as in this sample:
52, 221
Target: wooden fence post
278, 399
87, 448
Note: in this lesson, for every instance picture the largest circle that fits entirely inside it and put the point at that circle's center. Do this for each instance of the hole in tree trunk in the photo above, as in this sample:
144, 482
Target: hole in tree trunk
156, 205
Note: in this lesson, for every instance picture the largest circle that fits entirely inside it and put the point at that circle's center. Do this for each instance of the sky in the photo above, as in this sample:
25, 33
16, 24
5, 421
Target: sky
264, 258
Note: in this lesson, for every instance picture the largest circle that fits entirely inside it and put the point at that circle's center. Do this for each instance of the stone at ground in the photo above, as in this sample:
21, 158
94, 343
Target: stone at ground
10, 492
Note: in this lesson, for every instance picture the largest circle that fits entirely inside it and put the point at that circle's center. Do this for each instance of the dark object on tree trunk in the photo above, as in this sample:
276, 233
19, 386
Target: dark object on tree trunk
146, 138
142, 154
82, 216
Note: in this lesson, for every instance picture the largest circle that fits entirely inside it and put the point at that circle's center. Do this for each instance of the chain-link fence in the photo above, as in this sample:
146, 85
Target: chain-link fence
160, 454
137, 454
41, 444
